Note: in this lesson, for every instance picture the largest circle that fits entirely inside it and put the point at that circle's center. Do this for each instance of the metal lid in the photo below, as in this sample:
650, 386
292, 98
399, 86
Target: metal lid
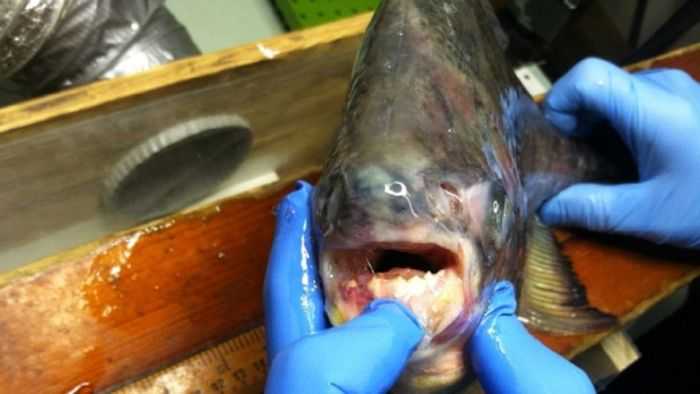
176, 167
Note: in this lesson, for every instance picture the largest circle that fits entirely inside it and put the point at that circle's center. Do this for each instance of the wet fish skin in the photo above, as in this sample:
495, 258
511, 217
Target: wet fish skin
440, 145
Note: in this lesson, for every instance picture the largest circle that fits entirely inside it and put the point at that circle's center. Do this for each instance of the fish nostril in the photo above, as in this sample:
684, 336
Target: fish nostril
449, 188
454, 197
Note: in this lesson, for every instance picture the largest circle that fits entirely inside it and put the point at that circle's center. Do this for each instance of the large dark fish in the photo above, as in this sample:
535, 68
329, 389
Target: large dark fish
432, 186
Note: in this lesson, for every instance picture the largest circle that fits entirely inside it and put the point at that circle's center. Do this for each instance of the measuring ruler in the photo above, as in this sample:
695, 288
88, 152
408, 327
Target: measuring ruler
235, 366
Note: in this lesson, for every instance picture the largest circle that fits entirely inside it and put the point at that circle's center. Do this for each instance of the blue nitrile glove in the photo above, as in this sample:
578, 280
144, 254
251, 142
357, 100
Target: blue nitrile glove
508, 360
657, 114
365, 355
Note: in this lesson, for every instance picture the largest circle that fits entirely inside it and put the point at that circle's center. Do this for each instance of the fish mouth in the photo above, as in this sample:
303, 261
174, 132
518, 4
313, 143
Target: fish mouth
427, 258
427, 278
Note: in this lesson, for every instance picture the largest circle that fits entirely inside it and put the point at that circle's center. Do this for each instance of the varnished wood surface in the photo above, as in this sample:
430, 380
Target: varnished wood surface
686, 59
135, 302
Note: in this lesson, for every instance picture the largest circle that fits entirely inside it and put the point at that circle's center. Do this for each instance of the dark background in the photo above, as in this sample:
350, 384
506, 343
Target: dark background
670, 361
622, 31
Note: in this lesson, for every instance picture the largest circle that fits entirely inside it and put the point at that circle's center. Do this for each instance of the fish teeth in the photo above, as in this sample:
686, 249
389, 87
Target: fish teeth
432, 282
435, 298
401, 287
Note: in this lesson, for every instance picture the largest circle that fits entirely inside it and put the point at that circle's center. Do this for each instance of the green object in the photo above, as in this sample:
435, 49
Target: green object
299, 14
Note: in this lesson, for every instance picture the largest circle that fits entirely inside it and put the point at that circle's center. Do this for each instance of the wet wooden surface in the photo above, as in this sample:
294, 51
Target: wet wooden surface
136, 302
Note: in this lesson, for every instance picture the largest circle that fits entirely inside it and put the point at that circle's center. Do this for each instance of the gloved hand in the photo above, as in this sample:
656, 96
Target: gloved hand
657, 114
365, 355
508, 360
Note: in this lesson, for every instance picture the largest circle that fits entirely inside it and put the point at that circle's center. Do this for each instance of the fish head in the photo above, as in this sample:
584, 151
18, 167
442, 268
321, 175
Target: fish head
401, 227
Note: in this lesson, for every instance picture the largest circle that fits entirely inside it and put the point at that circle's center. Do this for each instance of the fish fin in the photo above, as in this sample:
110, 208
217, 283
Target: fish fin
552, 298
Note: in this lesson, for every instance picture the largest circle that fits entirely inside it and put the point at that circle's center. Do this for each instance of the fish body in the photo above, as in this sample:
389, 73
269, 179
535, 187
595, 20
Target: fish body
433, 182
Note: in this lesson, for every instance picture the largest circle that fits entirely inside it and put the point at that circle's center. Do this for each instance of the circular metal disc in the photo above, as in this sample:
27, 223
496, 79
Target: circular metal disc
176, 167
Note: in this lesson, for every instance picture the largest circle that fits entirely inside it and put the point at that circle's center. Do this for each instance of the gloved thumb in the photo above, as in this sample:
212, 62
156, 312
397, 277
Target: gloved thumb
603, 208
507, 359
365, 355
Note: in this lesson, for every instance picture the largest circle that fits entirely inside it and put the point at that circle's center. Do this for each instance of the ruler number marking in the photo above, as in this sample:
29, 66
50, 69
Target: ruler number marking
239, 363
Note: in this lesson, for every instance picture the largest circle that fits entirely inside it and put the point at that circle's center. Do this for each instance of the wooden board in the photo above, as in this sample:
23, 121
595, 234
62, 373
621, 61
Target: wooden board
124, 306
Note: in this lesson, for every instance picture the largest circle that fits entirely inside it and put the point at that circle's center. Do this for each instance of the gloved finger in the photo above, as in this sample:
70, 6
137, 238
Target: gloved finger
601, 90
507, 359
365, 355
677, 83
599, 207
292, 293
562, 107
670, 79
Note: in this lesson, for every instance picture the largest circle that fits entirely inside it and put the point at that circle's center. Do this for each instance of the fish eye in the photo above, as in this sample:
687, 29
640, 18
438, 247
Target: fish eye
499, 216
496, 208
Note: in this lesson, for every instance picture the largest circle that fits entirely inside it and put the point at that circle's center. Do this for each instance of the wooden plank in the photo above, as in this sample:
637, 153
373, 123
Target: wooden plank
686, 59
